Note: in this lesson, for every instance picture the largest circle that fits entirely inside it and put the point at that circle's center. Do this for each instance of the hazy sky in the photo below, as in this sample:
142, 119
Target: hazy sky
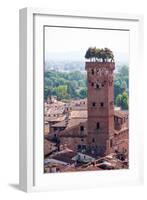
62, 41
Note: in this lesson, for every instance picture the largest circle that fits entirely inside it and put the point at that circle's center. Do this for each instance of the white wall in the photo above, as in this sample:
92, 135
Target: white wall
9, 49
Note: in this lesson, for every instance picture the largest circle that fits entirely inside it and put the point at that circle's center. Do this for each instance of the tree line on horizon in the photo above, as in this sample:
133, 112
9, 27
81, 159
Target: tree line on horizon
73, 85
65, 85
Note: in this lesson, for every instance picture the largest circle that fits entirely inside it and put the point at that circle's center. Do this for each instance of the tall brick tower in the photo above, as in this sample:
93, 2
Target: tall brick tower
100, 106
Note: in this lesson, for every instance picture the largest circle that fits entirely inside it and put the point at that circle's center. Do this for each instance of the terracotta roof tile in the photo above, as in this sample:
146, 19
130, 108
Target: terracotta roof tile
55, 119
49, 147
78, 114
65, 157
120, 113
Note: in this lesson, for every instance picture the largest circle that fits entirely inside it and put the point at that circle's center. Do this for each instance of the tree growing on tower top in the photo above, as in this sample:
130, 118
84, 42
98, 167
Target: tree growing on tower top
99, 55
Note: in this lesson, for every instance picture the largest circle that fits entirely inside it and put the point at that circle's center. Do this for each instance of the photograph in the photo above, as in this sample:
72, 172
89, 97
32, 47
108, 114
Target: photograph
86, 99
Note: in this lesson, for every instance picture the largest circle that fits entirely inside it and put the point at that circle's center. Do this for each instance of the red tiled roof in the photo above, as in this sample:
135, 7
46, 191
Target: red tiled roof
60, 124
73, 123
121, 130
65, 157
48, 147
120, 113
78, 114
55, 119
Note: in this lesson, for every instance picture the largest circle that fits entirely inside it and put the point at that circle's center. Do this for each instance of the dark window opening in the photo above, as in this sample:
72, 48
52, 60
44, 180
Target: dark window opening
97, 125
93, 140
82, 140
93, 104
102, 104
79, 146
81, 128
111, 143
92, 71
97, 86
92, 84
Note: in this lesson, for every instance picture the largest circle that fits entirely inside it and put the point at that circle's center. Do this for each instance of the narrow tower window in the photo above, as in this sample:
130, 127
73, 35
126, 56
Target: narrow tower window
93, 104
92, 84
97, 125
93, 140
102, 104
111, 143
92, 71
81, 128
97, 86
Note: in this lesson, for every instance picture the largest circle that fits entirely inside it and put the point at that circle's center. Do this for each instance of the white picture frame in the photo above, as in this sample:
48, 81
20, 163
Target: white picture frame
31, 100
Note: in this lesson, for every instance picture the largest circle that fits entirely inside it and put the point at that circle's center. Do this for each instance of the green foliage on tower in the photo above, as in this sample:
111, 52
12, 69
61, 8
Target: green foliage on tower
99, 55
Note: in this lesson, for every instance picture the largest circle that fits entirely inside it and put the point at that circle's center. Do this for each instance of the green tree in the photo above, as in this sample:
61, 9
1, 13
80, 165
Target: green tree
83, 93
121, 82
61, 92
124, 86
63, 85
117, 88
118, 100
124, 101
96, 54
71, 91
91, 54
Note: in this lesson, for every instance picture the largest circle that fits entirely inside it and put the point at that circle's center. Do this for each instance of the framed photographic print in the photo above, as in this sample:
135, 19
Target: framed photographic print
79, 102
